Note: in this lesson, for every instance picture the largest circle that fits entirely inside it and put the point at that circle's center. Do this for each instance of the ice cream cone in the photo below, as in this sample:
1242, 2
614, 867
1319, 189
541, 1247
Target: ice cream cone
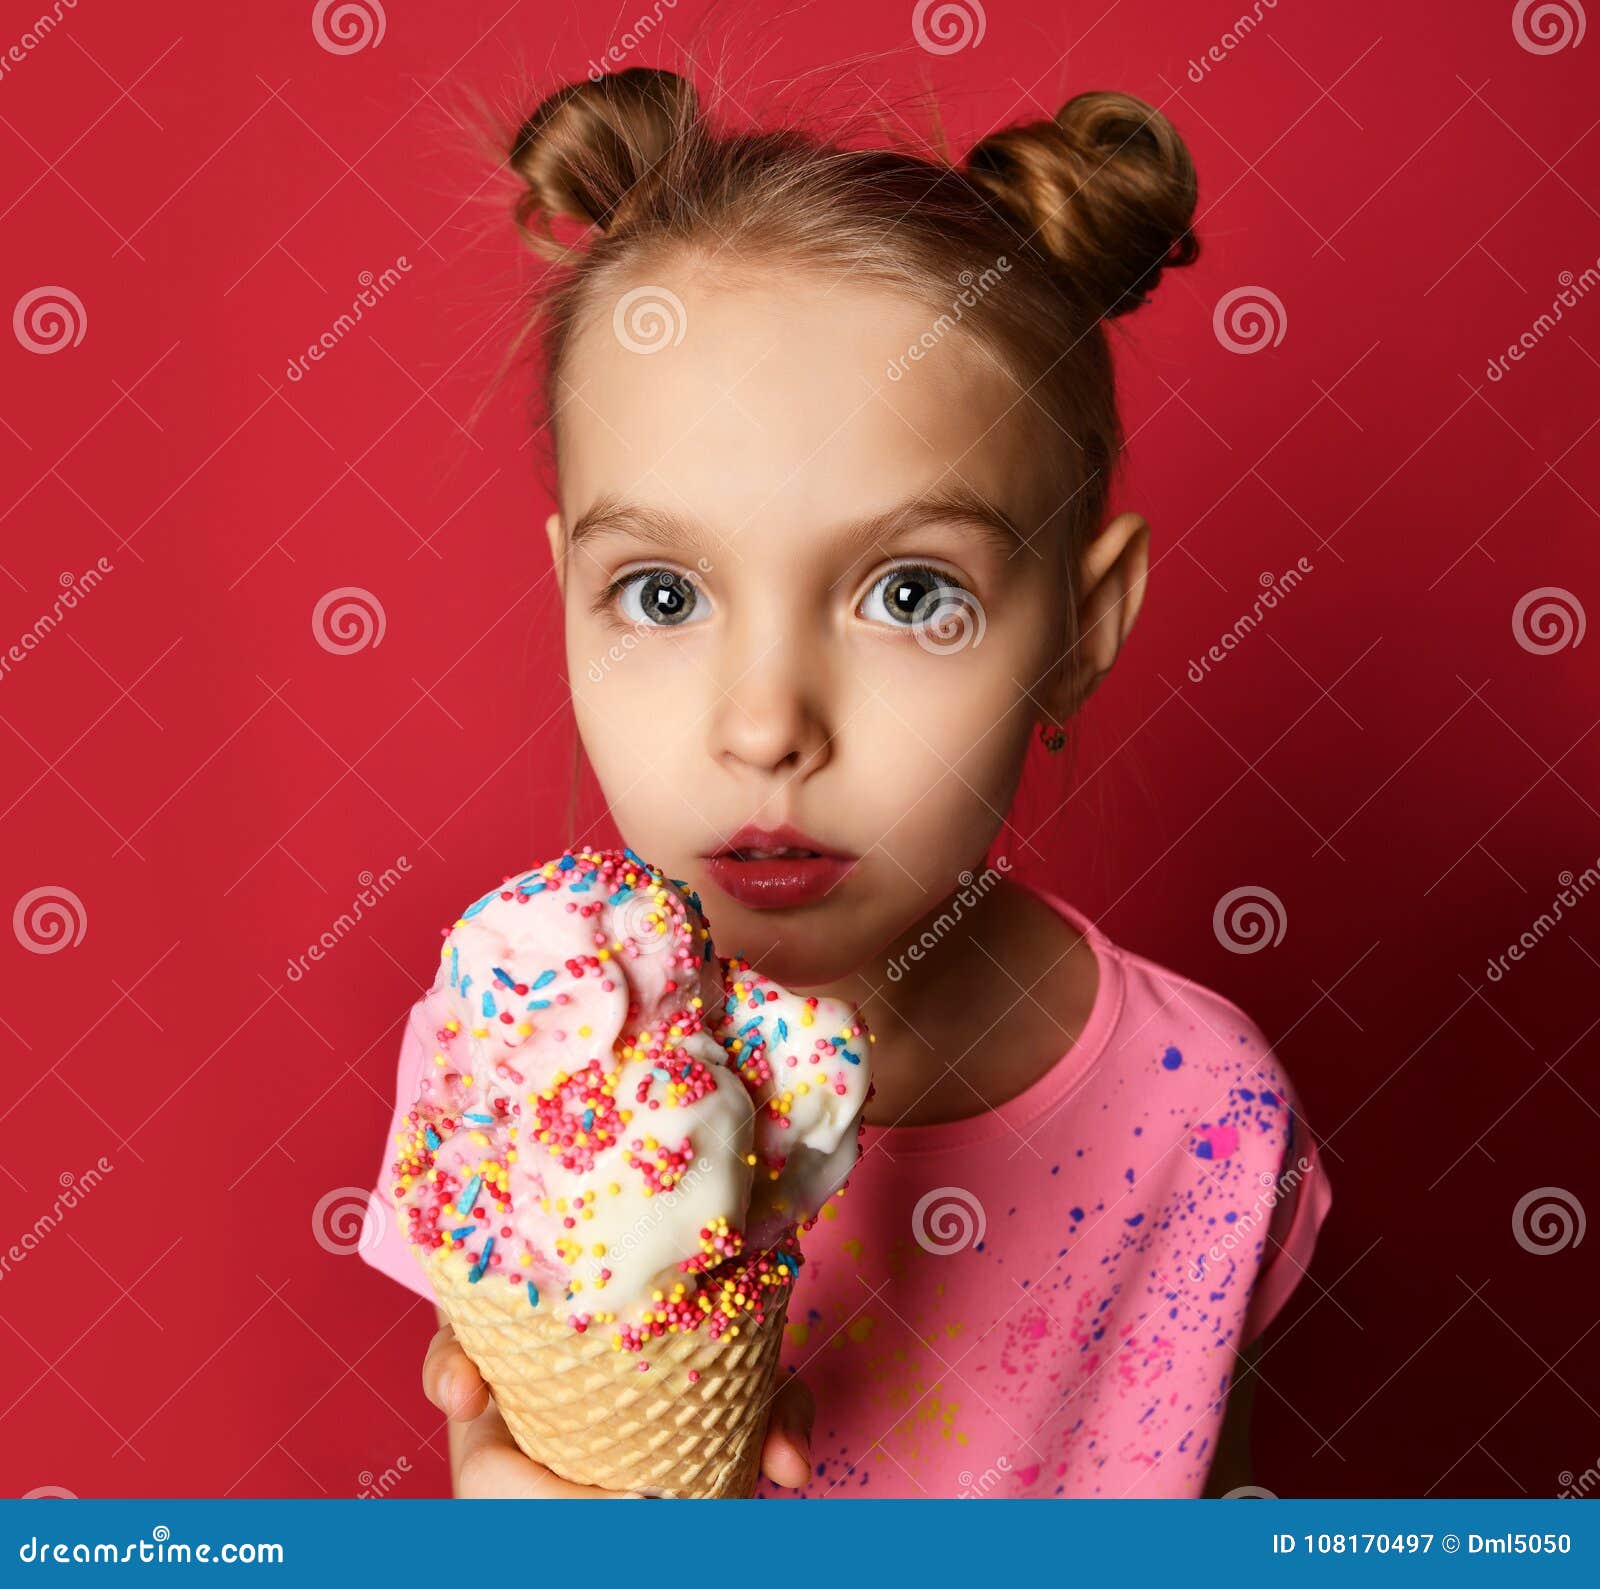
587, 1411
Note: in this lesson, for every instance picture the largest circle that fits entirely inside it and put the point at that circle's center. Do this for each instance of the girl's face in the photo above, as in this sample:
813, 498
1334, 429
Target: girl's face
801, 599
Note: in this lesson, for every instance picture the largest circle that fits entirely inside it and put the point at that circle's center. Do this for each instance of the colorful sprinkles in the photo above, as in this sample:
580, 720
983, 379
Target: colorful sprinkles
478, 1116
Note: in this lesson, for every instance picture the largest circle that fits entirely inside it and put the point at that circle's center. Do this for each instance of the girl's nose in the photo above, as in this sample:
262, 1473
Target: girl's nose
769, 713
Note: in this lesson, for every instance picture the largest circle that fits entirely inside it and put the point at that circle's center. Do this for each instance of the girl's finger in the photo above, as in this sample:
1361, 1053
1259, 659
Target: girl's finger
451, 1378
786, 1455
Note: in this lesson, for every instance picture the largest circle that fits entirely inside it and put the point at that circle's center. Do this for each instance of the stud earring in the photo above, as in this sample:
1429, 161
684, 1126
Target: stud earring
1053, 735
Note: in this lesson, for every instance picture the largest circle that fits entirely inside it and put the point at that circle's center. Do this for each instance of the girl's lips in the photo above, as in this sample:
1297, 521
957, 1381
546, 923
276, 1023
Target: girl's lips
778, 883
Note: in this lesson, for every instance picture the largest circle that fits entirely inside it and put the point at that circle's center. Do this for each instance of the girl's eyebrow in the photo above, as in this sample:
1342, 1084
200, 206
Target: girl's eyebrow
959, 504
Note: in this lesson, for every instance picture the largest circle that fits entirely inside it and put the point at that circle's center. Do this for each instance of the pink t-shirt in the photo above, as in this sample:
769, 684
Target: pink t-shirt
1046, 1299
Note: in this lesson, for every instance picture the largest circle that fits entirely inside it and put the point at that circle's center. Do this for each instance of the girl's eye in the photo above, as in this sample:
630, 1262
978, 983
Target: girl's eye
913, 597
661, 597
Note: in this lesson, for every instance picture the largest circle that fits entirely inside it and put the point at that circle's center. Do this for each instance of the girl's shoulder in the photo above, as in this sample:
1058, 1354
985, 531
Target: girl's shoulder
1162, 1042
1199, 1105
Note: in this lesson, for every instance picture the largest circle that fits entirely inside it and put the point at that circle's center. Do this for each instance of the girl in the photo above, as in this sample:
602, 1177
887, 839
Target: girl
834, 430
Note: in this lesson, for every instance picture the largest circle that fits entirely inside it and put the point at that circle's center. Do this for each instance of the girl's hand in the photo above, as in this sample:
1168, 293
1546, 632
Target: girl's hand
486, 1463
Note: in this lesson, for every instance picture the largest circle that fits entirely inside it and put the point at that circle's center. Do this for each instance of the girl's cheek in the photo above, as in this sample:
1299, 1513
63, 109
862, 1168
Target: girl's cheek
946, 696
636, 704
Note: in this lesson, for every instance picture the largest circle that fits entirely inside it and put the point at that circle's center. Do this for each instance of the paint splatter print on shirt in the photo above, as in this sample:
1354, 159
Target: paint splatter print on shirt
1046, 1300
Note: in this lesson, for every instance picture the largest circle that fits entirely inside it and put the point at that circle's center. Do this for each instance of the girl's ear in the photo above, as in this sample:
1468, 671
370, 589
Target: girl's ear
552, 528
1111, 582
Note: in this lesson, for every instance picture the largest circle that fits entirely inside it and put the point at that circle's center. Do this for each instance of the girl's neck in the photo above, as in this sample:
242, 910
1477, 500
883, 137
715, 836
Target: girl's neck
972, 1005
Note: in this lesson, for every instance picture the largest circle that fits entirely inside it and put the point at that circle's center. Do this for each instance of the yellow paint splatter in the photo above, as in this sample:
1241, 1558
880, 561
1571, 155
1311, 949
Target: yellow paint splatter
862, 1328
853, 1247
797, 1332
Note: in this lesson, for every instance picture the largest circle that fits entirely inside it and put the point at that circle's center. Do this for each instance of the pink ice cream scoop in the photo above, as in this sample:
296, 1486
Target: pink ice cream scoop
614, 1119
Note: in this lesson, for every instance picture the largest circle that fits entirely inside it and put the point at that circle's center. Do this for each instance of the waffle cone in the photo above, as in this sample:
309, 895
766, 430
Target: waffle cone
586, 1411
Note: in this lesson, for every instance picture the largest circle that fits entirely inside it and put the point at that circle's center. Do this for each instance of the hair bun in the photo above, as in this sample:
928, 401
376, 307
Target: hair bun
592, 144
1106, 188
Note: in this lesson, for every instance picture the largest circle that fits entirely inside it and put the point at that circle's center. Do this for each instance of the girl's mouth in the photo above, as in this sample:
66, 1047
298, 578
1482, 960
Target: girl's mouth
765, 869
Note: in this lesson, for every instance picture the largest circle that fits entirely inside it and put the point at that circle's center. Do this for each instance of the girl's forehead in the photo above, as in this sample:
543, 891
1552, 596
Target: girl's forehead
783, 401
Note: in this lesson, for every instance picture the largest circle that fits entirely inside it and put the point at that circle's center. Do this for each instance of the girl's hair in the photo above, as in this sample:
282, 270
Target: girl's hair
1043, 233
1039, 236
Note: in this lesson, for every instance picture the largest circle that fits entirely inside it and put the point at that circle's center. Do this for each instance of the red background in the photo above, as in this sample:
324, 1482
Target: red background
185, 758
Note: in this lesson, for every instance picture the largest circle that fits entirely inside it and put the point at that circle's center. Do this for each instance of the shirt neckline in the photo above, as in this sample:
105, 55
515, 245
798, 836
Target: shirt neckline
1040, 1095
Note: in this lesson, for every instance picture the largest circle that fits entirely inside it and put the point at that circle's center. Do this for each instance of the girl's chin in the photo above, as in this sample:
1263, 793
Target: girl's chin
807, 956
